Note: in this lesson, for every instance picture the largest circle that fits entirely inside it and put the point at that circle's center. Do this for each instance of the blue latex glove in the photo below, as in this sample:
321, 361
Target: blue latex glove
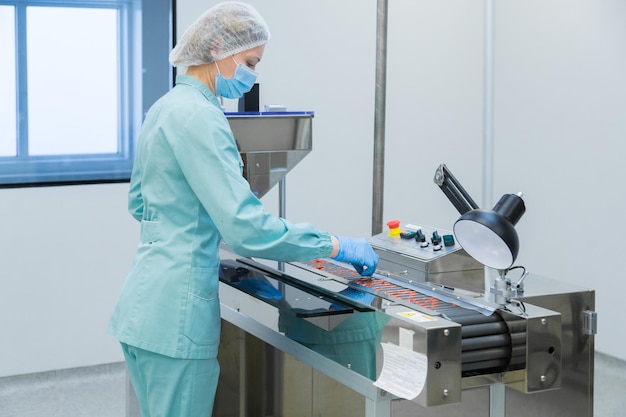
359, 253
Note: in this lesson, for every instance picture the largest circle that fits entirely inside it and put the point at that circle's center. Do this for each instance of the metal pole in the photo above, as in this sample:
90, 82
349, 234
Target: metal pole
488, 123
379, 118
497, 405
282, 212
282, 198
488, 105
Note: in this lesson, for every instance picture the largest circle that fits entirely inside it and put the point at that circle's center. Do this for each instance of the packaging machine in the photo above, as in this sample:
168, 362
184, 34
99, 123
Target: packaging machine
322, 314
422, 336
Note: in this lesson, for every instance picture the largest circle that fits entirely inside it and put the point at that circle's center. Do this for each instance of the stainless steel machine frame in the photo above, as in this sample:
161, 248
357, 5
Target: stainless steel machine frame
267, 373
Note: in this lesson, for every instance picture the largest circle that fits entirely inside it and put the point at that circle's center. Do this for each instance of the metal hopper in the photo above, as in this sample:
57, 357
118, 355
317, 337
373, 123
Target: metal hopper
271, 144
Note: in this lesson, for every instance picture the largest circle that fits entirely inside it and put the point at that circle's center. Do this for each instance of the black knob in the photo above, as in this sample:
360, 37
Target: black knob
436, 239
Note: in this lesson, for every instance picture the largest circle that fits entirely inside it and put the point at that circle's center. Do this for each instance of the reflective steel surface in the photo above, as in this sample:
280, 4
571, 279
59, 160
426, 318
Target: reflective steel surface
271, 145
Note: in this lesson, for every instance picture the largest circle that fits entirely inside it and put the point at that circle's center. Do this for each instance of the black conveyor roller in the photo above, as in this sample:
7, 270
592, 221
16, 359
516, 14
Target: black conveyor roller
488, 342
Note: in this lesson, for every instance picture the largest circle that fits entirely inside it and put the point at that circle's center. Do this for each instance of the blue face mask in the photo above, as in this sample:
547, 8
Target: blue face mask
243, 80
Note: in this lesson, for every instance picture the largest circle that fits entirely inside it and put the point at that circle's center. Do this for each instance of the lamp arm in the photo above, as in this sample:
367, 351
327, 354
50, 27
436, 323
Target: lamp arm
453, 190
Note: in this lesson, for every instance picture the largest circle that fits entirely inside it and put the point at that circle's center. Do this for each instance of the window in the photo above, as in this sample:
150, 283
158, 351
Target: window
79, 76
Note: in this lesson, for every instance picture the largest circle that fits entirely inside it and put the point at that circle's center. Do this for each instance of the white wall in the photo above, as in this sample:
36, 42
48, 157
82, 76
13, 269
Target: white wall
561, 130
64, 252
560, 105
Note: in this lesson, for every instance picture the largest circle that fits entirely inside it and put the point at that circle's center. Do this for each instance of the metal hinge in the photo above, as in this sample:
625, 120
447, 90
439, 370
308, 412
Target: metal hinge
590, 322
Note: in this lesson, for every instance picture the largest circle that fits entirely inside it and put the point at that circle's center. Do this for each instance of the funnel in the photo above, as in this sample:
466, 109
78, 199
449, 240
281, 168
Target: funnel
271, 144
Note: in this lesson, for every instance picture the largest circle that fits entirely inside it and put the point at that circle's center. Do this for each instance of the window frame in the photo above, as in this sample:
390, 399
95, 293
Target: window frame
142, 79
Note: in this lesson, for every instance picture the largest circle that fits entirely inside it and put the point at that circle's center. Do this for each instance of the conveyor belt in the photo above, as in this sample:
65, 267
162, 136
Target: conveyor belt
489, 344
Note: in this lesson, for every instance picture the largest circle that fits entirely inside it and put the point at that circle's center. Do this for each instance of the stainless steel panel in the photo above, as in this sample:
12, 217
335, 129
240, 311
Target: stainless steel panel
543, 363
259, 380
440, 341
450, 266
575, 397
271, 145
556, 376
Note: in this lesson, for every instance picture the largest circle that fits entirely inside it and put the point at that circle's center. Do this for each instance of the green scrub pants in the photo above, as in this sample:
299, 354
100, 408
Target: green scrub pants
170, 387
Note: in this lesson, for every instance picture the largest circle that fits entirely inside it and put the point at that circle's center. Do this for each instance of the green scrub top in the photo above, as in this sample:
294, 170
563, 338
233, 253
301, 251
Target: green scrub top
188, 192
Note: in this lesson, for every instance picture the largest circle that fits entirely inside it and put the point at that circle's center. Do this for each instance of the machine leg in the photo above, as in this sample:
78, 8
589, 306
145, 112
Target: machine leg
496, 400
380, 408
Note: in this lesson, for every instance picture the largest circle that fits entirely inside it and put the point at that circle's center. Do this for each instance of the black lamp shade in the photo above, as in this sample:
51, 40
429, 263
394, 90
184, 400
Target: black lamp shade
489, 236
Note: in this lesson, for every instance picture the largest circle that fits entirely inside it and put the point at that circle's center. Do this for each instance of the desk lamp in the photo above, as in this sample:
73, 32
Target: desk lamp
488, 236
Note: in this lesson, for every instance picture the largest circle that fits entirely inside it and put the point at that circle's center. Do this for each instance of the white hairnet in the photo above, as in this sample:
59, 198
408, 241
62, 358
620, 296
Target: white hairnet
223, 30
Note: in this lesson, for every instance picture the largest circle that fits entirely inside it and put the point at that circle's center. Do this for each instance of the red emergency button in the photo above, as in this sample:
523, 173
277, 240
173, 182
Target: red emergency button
393, 224
394, 227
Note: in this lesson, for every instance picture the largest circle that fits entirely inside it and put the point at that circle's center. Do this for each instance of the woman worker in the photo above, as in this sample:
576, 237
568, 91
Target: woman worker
188, 192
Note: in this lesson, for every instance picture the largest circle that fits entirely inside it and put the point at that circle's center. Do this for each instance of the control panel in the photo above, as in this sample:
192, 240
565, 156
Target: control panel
409, 251
421, 242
